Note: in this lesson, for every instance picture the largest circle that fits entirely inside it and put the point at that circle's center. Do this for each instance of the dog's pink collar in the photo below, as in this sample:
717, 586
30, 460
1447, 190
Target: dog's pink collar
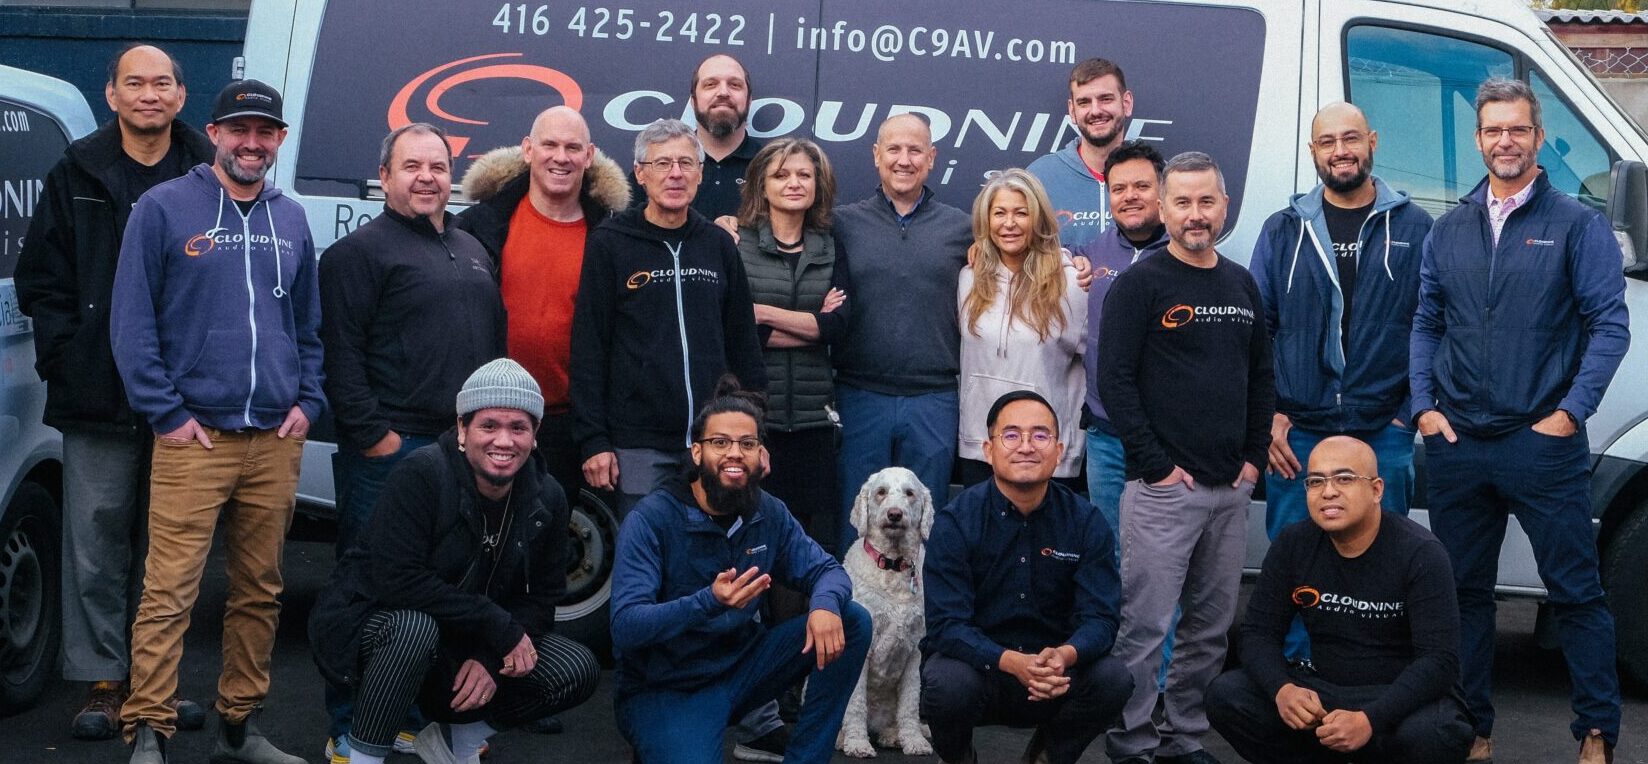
895, 564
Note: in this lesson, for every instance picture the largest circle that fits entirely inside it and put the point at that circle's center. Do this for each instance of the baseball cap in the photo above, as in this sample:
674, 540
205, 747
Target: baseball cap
247, 98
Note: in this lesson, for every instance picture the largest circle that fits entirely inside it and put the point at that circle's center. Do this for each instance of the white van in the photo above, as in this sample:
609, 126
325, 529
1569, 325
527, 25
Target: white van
39, 117
1239, 79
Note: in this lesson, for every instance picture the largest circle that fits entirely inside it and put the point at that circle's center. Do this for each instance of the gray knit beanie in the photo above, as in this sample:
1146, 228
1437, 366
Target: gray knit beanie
501, 384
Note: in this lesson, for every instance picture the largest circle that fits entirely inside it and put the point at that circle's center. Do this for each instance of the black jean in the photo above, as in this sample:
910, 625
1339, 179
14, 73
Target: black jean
956, 697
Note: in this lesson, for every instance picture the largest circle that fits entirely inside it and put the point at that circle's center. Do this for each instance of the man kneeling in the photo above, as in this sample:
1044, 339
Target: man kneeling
1022, 600
449, 599
1376, 594
693, 563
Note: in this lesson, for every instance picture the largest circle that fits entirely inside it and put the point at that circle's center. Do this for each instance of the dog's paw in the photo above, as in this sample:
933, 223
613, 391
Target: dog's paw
858, 748
887, 738
915, 745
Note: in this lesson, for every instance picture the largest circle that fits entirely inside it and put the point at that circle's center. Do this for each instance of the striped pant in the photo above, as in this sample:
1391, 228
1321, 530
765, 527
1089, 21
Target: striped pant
404, 663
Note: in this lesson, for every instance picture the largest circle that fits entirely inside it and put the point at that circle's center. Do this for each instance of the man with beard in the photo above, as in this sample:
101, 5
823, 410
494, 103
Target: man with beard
1505, 369
1339, 272
1186, 376
408, 618
1099, 106
720, 106
694, 560
214, 324
991, 656
64, 276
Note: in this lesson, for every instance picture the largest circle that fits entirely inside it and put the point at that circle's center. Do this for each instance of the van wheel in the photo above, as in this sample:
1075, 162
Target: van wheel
30, 621
1625, 577
592, 540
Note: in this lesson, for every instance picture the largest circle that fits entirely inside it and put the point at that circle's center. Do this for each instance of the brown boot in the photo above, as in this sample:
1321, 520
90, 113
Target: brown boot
1595, 750
100, 718
1481, 750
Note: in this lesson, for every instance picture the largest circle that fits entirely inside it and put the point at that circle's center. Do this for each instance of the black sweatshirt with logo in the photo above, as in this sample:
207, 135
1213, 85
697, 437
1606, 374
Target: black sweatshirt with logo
1185, 369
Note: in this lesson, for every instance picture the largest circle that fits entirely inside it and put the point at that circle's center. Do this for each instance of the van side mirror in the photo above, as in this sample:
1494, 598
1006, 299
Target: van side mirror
1628, 212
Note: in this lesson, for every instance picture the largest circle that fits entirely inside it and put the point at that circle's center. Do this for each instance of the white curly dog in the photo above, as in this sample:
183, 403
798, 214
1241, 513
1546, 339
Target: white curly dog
893, 515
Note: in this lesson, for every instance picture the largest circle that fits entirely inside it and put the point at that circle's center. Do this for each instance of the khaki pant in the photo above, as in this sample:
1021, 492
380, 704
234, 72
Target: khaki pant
250, 480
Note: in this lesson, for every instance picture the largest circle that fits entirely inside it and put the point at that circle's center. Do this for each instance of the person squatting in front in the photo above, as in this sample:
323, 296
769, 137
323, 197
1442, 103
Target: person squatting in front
695, 559
448, 600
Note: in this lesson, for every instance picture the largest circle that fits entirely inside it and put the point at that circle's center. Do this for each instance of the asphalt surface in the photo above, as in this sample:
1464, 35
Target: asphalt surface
1532, 699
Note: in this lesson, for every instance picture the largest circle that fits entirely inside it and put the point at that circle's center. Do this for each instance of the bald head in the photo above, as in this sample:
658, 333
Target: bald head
1342, 146
905, 124
557, 153
1342, 116
1345, 502
1342, 452
145, 91
561, 117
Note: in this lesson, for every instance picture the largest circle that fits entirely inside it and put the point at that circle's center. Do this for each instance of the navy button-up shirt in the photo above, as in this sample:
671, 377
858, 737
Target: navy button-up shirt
997, 579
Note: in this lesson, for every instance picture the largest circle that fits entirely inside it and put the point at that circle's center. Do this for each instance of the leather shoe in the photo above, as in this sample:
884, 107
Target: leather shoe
1594, 749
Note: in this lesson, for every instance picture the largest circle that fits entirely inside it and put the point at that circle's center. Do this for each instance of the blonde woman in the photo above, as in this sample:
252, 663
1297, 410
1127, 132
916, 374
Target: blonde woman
1023, 319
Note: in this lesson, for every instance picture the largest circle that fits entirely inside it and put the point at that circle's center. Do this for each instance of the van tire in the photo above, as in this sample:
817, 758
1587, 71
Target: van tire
30, 597
592, 539
1625, 578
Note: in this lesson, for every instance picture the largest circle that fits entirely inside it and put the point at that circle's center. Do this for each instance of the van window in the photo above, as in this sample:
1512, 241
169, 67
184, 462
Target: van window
30, 143
1418, 89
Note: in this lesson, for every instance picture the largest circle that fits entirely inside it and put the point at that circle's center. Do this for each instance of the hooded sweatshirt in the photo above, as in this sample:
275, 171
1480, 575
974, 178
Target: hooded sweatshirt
215, 314
1079, 198
661, 314
1110, 253
1320, 384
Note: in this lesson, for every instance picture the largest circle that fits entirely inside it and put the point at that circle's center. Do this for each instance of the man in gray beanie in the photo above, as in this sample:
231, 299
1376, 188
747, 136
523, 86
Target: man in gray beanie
455, 585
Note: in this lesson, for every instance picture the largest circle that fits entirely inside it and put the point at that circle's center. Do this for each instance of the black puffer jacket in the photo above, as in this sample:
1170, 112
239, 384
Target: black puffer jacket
422, 552
66, 273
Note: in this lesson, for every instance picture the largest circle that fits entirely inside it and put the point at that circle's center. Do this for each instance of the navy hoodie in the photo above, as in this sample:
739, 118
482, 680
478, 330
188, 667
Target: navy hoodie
216, 314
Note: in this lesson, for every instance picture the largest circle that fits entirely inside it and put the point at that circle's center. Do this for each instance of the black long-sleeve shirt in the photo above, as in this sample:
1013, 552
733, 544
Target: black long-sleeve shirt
1185, 369
1386, 617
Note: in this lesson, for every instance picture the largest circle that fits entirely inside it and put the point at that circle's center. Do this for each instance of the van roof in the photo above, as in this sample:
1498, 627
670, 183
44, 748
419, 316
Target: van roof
51, 95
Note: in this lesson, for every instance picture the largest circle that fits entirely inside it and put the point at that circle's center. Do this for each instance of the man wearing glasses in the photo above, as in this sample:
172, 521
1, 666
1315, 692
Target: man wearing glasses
1339, 273
1022, 601
1375, 592
1521, 326
663, 311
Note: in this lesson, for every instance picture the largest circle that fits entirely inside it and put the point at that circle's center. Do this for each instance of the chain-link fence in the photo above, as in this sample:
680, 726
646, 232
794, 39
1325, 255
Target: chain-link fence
1614, 62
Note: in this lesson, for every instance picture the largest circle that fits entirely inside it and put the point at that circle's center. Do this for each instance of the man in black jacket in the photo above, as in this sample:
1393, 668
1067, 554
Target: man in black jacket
64, 277
449, 598
409, 307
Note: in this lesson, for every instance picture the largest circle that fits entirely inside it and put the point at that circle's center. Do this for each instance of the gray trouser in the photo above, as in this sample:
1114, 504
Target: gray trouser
105, 482
1180, 547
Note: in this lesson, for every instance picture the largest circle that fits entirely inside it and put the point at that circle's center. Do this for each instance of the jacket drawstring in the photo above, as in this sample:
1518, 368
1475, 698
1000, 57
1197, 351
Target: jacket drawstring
1388, 273
274, 240
1297, 245
217, 225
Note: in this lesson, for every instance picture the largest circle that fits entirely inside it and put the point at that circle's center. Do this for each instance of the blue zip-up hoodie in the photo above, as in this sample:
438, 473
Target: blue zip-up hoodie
1506, 335
1110, 254
1317, 386
668, 630
1080, 201
215, 314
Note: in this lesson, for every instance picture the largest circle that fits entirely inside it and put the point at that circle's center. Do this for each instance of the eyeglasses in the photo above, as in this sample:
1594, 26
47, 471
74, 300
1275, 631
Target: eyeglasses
1341, 480
1352, 141
723, 445
687, 164
1039, 439
1519, 132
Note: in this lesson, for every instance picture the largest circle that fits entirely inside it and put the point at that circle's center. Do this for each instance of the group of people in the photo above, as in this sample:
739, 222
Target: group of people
717, 342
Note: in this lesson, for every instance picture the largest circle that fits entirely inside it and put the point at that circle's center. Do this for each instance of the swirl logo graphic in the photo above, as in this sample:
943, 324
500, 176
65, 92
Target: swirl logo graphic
638, 279
1307, 597
1178, 316
199, 245
451, 74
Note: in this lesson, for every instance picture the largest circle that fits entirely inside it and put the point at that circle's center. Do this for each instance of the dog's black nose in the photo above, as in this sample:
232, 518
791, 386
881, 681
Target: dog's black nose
895, 515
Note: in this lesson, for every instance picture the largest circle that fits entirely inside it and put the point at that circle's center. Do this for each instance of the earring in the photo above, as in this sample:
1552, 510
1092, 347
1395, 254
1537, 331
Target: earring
460, 447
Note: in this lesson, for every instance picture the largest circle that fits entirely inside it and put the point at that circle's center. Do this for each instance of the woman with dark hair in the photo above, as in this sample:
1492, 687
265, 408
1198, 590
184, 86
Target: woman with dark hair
1023, 319
799, 284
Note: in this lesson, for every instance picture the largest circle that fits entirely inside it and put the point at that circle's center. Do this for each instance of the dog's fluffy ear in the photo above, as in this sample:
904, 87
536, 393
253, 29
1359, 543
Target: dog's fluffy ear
928, 511
861, 506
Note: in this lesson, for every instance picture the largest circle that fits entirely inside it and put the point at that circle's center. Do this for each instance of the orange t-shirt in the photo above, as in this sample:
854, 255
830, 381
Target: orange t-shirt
542, 259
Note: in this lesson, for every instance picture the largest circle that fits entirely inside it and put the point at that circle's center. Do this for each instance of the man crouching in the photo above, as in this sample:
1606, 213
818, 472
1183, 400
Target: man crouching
449, 600
693, 564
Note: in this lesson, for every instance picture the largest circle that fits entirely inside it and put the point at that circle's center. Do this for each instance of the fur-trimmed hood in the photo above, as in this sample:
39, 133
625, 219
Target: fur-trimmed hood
604, 181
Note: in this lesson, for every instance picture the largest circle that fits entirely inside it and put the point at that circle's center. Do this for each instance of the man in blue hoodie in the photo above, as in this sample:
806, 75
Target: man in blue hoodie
1339, 273
1520, 327
215, 320
693, 563
1099, 107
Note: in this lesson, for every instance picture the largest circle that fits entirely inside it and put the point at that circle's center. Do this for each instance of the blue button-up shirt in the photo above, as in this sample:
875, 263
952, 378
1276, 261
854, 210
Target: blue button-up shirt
997, 579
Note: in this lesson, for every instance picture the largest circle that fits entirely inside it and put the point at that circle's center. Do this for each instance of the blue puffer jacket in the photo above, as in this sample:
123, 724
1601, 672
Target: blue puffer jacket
1317, 385
1506, 335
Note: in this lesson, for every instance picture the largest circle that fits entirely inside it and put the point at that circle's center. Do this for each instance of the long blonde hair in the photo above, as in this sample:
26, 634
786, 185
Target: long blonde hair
1036, 292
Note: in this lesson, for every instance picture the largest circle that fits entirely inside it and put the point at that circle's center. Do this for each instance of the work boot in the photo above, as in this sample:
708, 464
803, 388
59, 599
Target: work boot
100, 718
1594, 749
243, 744
190, 716
147, 747
1481, 751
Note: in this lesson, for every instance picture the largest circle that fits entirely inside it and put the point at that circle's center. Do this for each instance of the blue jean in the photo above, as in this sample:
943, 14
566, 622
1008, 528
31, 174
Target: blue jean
686, 727
357, 480
1285, 498
917, 432
1545, 482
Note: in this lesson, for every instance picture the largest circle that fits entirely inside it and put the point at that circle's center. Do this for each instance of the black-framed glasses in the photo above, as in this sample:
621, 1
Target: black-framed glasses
687, 164
1038, 439
1519, 132
1352, 141
1341, 480
723, 445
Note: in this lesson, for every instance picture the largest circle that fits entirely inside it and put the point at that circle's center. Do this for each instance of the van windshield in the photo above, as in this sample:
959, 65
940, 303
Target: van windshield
993, 84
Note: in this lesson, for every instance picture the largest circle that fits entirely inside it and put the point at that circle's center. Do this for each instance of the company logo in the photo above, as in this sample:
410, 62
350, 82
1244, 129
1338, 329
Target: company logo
1181, 314
1540, 243
755, 550
253, 97
1084, 217
199, 245
1307, 597
443, 78
1178, 316
1048, 551
638, 279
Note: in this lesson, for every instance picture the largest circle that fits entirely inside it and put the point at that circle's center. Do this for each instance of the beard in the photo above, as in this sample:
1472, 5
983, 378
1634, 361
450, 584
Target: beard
719, 122
1342, 185
730, 500
1515, 171
230, 167
1103, 136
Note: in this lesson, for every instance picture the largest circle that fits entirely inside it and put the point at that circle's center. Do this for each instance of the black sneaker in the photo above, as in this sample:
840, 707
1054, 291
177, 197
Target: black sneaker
1194, 757
768, 747
190, 716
